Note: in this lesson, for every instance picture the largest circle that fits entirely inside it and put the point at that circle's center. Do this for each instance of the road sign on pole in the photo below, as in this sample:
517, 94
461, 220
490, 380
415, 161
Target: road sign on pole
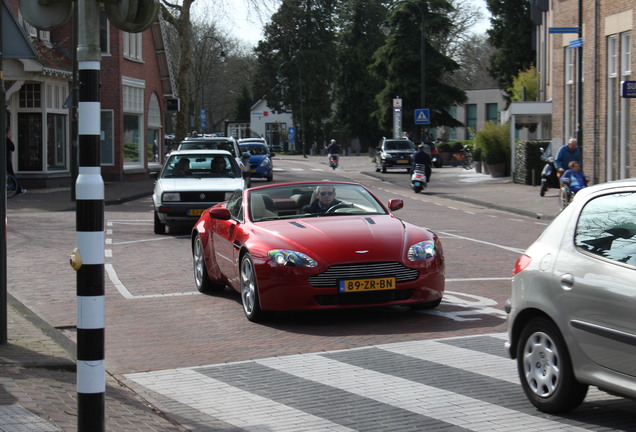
422, 116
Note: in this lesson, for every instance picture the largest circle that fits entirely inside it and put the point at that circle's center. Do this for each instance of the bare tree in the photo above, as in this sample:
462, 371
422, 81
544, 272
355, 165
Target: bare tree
178, 15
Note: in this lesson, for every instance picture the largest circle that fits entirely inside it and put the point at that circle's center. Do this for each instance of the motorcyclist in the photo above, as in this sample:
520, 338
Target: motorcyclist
421, 157
332, 151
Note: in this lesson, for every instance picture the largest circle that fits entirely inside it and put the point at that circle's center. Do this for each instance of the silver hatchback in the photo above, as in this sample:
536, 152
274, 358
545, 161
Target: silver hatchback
572, 312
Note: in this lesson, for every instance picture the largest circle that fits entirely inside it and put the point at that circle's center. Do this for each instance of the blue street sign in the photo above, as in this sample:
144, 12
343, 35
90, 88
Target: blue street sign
422, 116
564, 30
291, 131
576, 43
628, 89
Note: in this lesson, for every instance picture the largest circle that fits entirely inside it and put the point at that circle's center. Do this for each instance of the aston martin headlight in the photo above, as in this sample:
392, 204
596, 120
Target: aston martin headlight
171, 196
291, 258
422, 250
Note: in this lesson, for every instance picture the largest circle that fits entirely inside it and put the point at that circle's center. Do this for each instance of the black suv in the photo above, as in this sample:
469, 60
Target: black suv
394, 153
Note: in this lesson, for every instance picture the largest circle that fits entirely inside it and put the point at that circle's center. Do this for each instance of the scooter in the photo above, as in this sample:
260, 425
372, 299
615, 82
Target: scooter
418, 178
549, 177
333, 161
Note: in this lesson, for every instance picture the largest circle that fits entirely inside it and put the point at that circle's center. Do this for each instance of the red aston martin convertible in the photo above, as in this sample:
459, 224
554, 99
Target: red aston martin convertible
315, 245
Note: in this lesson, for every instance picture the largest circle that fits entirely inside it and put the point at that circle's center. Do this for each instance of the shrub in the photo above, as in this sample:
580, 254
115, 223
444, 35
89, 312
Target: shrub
445, 147
497, 155
494, 142
477, 153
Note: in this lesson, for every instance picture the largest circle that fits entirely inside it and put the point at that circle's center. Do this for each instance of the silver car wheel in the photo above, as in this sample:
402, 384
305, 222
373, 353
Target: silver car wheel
541, 364
199, 264
248, 286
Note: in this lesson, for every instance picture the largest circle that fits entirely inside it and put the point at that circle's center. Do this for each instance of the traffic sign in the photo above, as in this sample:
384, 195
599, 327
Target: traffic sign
422, 116
576, 43
291, 131
628, 89
203, 119
564, 30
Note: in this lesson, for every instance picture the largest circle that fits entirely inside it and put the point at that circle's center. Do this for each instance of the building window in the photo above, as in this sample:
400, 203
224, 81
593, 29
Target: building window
492, 112
132, 46
106, 142
30, 96
471, 120
133, 121
29, 141
104, 32
154, 129
56, 141
625, 127
569, 114
611, 138
56, 95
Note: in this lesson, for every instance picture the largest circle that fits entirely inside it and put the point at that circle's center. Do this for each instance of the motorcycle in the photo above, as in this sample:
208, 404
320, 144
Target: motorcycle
549, 177
418, 178
333, 161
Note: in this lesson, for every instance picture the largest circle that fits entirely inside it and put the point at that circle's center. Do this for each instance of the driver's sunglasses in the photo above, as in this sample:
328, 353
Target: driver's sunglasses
326, 193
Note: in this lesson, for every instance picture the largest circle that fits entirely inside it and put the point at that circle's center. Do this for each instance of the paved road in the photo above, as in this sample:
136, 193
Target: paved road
458, 383
452, 384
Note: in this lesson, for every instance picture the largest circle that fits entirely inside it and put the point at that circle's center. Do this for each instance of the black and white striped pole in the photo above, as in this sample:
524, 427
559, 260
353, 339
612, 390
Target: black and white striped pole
89, 252
88, 256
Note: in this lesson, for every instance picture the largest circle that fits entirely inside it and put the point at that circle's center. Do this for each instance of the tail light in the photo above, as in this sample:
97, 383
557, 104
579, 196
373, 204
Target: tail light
522, 262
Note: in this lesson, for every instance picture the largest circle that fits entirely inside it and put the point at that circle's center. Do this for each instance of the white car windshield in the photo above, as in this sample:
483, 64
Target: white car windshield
201, 166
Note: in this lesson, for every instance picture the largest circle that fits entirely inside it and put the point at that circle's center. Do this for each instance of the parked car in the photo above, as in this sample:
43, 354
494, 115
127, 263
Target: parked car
260, 161
215, 142
182, 194
394, 153
571, 313
271, 245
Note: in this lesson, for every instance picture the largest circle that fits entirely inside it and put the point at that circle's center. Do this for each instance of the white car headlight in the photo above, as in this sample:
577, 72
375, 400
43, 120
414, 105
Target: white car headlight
422, 250
266, 162
387, 155
171, 196
291, 258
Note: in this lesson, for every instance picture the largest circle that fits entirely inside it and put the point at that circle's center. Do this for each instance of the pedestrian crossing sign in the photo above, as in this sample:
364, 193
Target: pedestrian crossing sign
422, 116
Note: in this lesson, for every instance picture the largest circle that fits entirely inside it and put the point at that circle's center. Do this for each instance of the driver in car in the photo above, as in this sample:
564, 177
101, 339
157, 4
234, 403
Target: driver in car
325, 198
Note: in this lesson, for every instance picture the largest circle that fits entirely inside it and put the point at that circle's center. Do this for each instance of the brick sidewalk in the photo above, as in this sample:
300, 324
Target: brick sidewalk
37, 383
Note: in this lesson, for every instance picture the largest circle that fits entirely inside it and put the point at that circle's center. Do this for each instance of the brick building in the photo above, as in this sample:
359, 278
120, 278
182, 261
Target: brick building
135, 81
602, 57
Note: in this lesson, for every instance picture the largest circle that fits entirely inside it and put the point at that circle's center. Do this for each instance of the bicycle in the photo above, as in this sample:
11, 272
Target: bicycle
12, 186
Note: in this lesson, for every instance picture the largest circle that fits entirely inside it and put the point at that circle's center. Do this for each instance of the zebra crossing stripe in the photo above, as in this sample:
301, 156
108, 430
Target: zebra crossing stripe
458, 384
230, 404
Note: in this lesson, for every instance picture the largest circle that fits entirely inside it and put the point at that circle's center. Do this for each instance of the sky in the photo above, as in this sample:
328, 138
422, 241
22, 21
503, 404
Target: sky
244, 24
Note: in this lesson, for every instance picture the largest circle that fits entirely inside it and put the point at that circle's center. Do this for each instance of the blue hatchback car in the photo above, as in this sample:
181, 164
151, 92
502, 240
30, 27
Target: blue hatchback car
260, 160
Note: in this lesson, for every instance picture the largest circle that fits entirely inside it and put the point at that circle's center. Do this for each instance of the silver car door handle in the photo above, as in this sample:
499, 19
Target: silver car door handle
567, 281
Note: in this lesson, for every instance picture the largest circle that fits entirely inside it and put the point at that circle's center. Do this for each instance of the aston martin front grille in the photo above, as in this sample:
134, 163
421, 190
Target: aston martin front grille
333, 274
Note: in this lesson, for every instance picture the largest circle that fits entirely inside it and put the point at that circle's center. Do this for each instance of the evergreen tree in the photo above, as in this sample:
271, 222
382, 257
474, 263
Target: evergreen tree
398, 64
356, 87
511, 33
296, 65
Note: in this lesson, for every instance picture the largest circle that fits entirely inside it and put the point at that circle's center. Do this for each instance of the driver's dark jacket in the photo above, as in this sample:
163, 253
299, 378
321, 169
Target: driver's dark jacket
422, 158
315, 207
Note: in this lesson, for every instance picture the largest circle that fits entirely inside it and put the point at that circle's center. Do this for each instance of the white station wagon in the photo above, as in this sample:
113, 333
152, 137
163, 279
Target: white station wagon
190, 182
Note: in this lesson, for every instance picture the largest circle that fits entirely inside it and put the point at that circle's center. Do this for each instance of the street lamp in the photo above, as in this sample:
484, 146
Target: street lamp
386, 29
300, 91
203, 115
